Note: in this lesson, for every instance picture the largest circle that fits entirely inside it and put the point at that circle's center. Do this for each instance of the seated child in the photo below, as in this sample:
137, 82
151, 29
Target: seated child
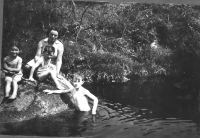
12, 67
45, 67
79, 97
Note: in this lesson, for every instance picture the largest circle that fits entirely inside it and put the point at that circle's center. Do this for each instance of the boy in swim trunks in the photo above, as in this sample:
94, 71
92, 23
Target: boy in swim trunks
12, 65
79, 97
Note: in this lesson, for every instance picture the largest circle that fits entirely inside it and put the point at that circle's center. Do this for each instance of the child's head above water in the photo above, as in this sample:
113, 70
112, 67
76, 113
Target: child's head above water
77, 81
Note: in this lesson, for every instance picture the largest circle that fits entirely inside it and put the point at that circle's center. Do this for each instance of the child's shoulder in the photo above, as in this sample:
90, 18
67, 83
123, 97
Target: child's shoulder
82, 89
6, 58
44, 40
19, 58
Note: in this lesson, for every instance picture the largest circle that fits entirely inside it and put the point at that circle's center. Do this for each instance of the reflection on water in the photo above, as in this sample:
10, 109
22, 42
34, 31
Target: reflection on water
151, 110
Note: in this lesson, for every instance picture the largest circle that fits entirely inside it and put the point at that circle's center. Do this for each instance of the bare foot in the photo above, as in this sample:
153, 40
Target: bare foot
31, 79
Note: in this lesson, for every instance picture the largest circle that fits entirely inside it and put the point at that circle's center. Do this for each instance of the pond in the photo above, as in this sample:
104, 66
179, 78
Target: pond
140, 108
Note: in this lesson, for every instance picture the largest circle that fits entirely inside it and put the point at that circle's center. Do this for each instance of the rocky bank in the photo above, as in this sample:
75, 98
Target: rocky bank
32, 102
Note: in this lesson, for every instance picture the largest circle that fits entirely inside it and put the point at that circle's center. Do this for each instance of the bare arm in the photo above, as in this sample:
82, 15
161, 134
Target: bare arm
19, 66
58, 91
59, 59
95, 101
66, 82
39, 51
6, 66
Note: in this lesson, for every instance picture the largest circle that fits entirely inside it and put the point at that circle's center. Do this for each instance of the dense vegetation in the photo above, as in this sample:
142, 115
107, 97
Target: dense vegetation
107, 41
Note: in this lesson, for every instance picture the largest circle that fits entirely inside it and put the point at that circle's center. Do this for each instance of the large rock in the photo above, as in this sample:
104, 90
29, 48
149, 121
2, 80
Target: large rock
32, 102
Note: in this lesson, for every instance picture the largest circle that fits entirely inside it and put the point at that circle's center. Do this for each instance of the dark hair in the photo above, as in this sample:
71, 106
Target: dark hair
49, 49
52, 28
14, 47
78, 76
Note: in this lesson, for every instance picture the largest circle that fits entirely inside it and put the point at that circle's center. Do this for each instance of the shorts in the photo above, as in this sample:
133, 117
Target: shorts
11, 77
43, 72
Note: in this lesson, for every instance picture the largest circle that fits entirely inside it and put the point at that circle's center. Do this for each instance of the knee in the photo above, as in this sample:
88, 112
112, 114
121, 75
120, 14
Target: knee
8, 79
52, 73
27, 67
15, 80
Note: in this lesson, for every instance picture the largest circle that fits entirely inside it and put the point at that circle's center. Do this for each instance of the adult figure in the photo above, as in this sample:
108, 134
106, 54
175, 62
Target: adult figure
52, 40
56, 58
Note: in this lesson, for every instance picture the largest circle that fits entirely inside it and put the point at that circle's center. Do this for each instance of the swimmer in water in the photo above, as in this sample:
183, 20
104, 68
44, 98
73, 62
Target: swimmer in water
79, 97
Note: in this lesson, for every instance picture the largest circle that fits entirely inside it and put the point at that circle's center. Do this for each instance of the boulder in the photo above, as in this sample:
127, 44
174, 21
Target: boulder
32, 102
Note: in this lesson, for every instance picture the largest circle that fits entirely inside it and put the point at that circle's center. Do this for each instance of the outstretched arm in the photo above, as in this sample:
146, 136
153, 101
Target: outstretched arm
58, 91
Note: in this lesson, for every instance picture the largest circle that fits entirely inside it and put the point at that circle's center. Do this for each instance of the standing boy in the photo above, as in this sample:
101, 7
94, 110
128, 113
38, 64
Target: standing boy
79, 98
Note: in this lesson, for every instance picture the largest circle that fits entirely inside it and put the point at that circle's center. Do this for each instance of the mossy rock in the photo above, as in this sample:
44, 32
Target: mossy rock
32, 102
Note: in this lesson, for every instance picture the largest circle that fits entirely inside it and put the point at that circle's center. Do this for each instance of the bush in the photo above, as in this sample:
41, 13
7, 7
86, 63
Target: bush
109, 38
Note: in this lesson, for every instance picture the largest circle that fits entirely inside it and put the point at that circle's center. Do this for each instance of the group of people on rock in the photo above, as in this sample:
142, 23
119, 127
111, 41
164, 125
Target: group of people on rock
47, 62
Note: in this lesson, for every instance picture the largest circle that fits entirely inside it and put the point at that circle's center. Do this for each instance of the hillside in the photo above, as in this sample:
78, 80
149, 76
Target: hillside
110, 42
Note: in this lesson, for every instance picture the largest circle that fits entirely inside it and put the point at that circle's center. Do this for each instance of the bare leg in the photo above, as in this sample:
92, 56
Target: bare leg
55, 79
16, 79
52, 72
42, 75
32, 71
15, 87
31, 74
8, 86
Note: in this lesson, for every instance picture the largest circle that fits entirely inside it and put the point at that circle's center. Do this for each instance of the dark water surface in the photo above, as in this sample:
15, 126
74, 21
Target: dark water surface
150, 109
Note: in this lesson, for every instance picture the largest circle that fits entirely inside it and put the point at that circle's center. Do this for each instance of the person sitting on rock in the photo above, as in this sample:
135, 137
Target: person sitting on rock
12, 65
79, 98
45, 68
56, 58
